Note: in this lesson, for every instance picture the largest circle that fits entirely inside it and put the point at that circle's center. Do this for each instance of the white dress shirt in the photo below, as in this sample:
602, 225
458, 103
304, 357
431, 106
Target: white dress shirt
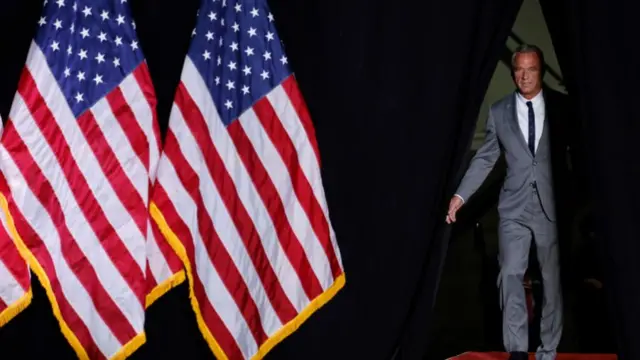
522, 111
523, 116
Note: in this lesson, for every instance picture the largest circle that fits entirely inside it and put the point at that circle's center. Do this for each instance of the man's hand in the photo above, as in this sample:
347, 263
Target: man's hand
455, 204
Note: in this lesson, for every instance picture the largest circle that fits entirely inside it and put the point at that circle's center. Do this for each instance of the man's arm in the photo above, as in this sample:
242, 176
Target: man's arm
482, 163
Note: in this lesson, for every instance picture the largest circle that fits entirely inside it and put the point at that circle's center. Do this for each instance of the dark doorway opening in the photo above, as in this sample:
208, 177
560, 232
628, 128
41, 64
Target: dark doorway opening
467, 311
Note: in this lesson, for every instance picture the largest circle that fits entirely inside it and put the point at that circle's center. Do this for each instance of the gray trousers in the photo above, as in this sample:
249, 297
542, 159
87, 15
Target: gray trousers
515, 237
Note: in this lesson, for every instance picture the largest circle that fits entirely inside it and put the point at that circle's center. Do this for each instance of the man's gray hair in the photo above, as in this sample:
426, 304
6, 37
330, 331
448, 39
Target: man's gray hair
528, 48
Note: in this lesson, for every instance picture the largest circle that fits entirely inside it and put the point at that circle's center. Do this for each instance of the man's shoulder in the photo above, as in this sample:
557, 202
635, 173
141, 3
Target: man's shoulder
503, 103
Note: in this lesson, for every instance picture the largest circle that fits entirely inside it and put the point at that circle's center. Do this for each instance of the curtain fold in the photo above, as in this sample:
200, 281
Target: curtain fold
393, 142
596, 47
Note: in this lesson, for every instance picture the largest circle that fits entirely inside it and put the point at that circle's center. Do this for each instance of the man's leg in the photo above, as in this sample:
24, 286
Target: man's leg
514, 241
546, 239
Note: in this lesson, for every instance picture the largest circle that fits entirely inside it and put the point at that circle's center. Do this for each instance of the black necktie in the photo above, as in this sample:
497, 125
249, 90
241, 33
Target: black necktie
532, 129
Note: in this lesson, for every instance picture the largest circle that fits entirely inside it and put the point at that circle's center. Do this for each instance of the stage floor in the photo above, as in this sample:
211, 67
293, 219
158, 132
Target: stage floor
505, 356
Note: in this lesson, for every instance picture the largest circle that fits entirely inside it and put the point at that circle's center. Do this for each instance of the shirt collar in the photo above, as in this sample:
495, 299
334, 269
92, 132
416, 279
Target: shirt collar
537, 100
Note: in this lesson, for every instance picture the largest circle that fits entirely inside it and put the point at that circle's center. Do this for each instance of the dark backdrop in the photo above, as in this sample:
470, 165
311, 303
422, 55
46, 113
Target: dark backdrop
596, 42
394, 90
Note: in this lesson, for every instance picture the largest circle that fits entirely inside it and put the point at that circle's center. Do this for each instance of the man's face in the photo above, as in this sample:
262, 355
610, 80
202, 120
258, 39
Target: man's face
527, 71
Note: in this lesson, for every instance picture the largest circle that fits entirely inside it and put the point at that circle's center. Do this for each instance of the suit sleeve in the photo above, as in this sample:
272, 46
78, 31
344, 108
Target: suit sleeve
482, 163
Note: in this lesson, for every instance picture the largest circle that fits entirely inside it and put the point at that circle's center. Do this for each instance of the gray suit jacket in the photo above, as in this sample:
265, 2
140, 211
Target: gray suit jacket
524, 170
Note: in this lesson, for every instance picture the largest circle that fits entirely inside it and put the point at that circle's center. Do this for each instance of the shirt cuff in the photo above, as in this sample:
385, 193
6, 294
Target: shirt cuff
460, 197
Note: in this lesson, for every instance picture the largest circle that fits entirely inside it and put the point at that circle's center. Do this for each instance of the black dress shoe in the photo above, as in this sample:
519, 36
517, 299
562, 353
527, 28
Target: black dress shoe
518, 355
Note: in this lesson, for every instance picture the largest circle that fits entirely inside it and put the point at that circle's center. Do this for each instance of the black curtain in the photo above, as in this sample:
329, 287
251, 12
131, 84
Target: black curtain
602, 62
395, 92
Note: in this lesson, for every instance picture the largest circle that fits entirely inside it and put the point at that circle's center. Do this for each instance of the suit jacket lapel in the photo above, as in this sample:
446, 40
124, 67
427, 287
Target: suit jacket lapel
544, 139
512, 119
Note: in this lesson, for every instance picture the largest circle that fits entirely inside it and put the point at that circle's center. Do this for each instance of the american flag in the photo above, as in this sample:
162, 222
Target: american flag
239, 194
15, 278
79, 152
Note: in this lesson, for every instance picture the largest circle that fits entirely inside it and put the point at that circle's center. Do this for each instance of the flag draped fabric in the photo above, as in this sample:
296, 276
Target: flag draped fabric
78, 152
238, 193
164, 268
15, 279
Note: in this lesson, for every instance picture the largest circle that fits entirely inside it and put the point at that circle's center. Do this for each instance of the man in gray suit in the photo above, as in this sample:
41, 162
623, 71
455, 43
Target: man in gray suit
518, 127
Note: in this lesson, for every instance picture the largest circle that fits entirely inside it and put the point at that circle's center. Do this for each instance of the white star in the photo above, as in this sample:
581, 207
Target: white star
86, 11
235, 27
217, 80
246, 70
55, 46
69, 50
267, 56
209, 36
224, 3
60, 3
228, 104
75, 6
238, 7
123, 1
116, 62
84, 33
120, 19
206, 55
80, 76
212, 16
42, 21
58, 24
270, 16
245, 90
47, 1
102, 37
265, 75
134, 45
100, 58
222, 22
254, 12
219, 60
193, 33
67, 72
72, 28
220, 41
79, 97
284, 60
118, 40
230, 85
83, 54
269, 36
234, 46
232, 65
251, 32
249, 51
104, 15
133, 25
98, 79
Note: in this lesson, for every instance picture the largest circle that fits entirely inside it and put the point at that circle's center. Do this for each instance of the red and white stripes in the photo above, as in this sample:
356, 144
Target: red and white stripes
244, 207
15, 278
80, 189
